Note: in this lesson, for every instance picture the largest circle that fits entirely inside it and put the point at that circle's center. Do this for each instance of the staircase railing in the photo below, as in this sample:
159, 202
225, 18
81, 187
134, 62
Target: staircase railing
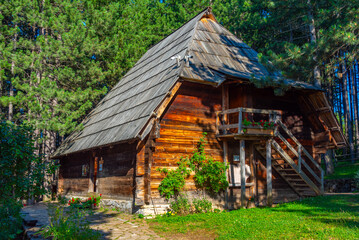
300, 154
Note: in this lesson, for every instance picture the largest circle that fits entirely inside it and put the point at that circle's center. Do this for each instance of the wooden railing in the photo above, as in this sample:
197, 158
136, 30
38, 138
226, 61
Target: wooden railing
302, 154
230, 122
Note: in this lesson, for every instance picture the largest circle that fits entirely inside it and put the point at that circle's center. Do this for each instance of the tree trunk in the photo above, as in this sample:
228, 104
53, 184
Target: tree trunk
349, 122
329, 158
313, 39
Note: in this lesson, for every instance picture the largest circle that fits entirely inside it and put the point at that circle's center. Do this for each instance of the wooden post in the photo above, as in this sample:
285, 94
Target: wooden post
253, 171
225, 160
322, 181
269, 173
300, 158
243, 171
240, 121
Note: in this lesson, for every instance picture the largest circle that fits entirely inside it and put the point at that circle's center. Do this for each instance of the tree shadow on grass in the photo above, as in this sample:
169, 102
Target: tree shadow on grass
337, 210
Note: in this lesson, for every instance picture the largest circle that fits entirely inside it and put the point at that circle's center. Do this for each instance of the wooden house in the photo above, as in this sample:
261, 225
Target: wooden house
199, 79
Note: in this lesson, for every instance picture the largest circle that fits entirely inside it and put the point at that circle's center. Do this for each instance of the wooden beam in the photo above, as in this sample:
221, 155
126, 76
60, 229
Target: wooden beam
253, 171
225, 160
243, 171
269, 173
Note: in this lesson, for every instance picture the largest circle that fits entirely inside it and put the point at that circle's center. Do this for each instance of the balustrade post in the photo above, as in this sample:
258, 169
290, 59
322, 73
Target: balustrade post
300, 158
240, 121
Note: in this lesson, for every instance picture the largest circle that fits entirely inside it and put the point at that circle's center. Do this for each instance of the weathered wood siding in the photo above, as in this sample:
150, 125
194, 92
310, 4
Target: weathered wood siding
191, 113
71, 180
115, 180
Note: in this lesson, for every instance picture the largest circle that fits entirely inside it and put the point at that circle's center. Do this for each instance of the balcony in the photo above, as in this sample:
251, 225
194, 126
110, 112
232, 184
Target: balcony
247, 123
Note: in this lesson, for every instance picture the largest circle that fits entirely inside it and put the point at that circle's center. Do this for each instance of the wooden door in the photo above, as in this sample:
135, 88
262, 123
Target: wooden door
95, 170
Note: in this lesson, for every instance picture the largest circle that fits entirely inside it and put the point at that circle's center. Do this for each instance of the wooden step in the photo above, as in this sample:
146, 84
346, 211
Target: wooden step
291, 175
286, 169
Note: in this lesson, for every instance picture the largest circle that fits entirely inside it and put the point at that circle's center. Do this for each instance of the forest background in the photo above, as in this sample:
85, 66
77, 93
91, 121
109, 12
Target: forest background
58, 58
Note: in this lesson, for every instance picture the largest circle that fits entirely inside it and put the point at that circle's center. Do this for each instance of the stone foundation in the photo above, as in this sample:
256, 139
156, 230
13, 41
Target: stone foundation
340, 186
122, 205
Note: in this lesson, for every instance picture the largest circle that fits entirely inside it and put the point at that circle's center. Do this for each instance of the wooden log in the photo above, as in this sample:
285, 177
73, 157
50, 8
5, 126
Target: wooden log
225, 160
243, 171
269, 173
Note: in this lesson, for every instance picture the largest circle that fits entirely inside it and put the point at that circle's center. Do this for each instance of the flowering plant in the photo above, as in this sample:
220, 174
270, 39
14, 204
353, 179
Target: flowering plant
91, 201
74, 202
263, 124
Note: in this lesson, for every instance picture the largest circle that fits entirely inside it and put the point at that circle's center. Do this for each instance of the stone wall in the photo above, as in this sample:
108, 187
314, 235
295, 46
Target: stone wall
340, 186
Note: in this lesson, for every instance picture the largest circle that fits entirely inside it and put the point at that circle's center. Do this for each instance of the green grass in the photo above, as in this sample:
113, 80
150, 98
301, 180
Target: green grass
323, 217
345, 170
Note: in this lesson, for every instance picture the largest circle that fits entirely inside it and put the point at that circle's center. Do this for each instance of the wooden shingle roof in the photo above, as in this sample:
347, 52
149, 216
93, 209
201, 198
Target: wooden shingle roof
128, 108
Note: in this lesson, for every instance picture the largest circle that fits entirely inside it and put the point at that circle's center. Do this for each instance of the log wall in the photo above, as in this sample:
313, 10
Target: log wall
115, 180
191, 113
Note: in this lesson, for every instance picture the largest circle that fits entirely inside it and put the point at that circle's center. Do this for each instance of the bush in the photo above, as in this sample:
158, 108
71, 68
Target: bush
21, 175
356, 179
10, 220
93, 201
181, 205
174, 180
72, 225
209, 174
202, 205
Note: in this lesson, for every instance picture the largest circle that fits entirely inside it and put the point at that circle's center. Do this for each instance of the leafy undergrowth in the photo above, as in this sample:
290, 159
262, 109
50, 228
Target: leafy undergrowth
323, 217
344, 171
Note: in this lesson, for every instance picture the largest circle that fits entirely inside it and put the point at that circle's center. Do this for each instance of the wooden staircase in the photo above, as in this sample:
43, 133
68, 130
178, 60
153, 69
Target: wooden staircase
293, 163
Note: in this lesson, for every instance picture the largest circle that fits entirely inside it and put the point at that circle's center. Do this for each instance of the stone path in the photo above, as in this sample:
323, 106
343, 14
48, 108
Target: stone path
35, 217
111, 224
114, 225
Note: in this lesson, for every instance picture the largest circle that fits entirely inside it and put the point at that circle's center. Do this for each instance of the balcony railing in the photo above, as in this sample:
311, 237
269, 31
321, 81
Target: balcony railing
247, 122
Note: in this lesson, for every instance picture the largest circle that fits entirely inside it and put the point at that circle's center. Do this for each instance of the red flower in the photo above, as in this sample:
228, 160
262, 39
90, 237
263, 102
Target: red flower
94, 199
100, 195
24, 205
69, 203
89, 198
94, 204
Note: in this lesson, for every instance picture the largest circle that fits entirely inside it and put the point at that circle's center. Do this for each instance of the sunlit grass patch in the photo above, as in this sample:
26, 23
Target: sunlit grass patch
324, 217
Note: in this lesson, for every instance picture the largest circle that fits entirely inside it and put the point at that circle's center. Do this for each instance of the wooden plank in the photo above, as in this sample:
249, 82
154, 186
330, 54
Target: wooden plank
298, 143
225, 160
288, 144
243, 171
294, 166
311, 172
251, 110
240, 121
269, 173
300, 158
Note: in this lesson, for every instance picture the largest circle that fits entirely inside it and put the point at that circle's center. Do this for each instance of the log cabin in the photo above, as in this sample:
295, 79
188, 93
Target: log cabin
200, 79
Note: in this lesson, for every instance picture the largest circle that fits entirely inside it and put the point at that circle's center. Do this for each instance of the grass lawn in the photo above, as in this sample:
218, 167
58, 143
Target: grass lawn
323, 217
344, 170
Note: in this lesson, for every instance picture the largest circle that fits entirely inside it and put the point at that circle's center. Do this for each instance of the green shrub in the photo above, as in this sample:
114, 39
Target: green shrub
181, 205
202, 205
209, 174
174, 180
356, 179
10, 220
62, 200
72, 225
21, 175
